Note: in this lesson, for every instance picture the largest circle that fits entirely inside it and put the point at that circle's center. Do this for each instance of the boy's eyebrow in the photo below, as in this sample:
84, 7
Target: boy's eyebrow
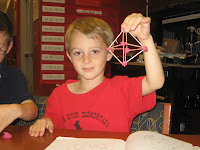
95, 47
74, 49
89, 48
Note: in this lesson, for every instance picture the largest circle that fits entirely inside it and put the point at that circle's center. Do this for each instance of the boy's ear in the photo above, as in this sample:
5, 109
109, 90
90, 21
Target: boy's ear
68, 55
9, 47
109, 56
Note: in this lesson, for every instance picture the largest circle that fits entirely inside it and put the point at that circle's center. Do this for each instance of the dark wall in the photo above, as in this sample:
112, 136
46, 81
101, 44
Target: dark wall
130, 6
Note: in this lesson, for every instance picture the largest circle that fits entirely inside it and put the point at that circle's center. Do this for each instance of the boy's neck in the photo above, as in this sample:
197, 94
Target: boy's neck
84, 86
90, 84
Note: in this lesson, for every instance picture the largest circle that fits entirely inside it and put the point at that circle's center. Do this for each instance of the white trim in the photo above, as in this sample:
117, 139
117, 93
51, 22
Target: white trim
182, 18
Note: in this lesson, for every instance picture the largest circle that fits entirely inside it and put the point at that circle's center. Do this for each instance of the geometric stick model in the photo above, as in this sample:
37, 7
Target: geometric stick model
125, 46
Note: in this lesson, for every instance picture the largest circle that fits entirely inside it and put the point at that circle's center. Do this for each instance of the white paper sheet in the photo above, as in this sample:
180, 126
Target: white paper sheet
53, 19
51, 57
52, 67
55, 1
56, 29
52, 38
67, 143
53, 9
146, 140
53, 76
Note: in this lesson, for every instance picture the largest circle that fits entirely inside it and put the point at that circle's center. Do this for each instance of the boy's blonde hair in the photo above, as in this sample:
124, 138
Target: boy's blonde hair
92, 28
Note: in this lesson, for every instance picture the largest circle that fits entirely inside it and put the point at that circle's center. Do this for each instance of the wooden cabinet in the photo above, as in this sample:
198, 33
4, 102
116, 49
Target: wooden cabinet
181, 82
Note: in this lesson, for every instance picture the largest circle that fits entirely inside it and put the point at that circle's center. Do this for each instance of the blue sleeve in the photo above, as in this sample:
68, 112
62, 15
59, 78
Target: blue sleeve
22, 92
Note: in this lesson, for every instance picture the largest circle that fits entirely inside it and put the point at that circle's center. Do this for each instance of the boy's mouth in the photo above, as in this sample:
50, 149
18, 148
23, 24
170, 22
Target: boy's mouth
88, 69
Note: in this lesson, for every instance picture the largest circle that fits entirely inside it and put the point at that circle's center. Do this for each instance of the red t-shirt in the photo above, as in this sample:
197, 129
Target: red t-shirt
111, 106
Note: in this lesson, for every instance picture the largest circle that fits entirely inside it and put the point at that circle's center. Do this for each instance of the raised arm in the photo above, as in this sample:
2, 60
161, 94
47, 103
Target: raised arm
139, 26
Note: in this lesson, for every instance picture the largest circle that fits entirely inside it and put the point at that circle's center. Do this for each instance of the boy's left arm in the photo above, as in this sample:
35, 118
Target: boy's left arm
139, 26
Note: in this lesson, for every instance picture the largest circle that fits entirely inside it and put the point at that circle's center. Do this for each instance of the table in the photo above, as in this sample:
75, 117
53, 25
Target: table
21, 140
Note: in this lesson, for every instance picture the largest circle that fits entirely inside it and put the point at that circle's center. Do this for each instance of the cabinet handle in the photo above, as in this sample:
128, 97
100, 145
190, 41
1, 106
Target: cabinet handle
166, 73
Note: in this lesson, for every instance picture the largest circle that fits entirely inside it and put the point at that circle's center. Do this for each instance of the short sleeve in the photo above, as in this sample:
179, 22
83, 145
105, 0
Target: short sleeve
21, 89
132, 93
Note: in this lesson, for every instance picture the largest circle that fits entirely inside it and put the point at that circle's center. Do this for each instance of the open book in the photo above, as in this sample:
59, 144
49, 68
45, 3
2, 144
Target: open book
140, 140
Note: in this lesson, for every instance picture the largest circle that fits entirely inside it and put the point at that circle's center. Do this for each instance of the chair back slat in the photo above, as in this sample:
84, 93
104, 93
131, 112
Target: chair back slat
156, 120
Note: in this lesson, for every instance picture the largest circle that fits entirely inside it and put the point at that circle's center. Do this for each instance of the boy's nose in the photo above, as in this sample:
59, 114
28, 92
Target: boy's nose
86, 59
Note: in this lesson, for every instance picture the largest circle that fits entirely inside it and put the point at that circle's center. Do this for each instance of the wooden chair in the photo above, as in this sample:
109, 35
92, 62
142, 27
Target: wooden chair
157, 120
166, 129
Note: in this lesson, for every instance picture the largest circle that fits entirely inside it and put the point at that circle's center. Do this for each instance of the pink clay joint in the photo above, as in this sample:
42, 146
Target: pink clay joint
144, 48
108, 48
6, 135
124, 64
127, 50
123, 43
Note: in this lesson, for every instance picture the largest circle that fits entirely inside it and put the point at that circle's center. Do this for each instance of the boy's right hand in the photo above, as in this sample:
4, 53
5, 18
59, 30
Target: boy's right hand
138, 25
39, 127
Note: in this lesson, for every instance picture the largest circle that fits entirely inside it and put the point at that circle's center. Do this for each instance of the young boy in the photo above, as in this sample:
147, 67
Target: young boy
15, 100
95, 102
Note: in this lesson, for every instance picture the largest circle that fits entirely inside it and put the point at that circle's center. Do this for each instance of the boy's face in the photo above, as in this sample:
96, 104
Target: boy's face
4, 48
88, 55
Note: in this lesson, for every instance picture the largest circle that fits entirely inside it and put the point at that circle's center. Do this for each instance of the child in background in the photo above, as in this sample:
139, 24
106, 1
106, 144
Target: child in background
95, 102
15, 99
